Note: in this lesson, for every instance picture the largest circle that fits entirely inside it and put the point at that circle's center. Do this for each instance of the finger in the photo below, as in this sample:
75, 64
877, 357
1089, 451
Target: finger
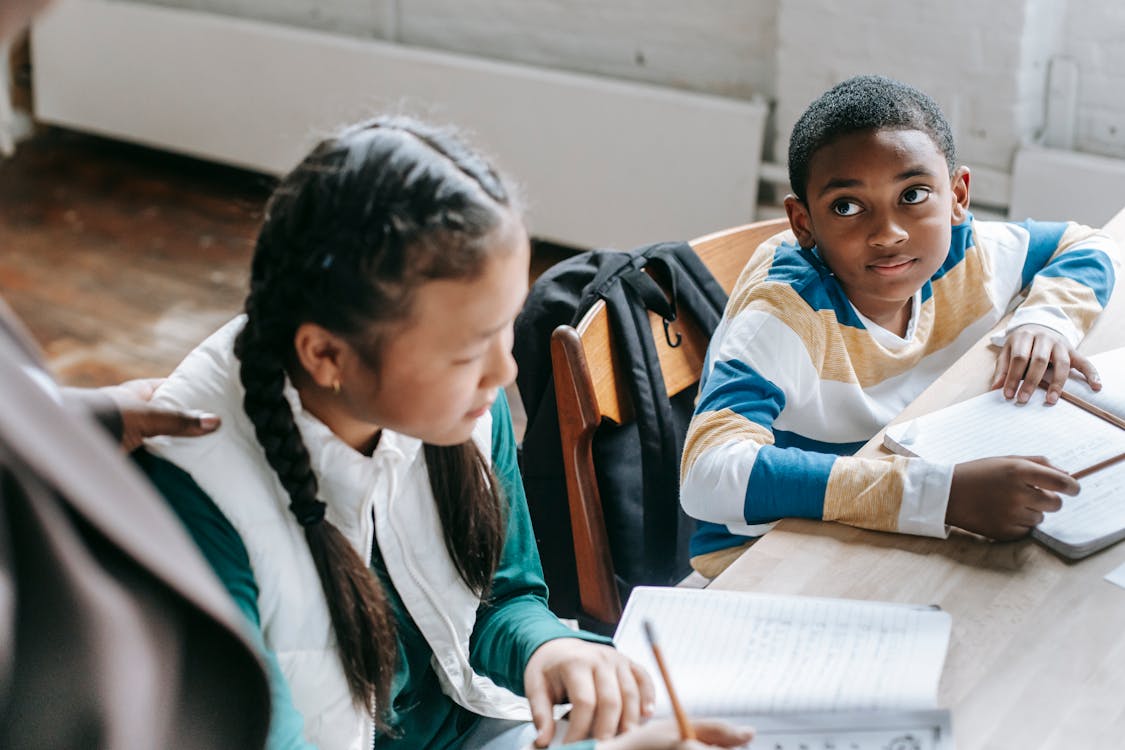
721, 734
1019, 351
1039, 472
1045, 501
1057, 373
1027, 517
1040, 359
1082, 364
630, 697
647, 689
607, 712
1001, 367
542, 708
583, 701
177, 423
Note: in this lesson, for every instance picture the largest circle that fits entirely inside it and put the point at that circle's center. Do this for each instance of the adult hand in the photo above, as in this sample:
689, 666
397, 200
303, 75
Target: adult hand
140, 419
608, 692
1032, 350
1005, 498
665, 735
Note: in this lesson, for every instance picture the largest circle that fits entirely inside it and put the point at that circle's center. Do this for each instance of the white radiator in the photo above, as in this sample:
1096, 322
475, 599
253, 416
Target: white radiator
1055, 185
602, 162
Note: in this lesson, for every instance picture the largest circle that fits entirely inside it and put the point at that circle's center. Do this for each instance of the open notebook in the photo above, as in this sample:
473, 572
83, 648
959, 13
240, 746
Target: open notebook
807, 672
1071, 436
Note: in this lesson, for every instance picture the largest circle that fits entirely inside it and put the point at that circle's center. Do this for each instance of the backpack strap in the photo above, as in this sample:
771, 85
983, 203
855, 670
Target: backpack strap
687, 281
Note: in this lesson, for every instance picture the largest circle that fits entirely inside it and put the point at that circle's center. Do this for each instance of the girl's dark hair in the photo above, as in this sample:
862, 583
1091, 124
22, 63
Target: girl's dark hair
349, 235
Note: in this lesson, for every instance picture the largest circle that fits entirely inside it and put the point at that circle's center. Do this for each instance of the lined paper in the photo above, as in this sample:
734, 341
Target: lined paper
989, 425
734, 653
1094, 512
1070, 437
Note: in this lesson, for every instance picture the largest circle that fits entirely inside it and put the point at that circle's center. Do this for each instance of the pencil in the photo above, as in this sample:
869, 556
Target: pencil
1113, 419
1080, 474
686, 732
1082, 403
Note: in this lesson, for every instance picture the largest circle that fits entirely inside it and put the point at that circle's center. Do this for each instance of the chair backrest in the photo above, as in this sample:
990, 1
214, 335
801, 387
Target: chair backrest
590, 388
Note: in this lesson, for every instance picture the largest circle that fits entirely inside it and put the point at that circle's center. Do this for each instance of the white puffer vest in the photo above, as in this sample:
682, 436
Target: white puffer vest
385, 497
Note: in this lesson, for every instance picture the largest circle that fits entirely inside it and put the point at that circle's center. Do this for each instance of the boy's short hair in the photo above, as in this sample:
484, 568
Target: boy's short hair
864, 103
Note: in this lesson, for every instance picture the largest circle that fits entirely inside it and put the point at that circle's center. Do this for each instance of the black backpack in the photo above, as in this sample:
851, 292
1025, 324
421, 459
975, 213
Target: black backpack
637, 464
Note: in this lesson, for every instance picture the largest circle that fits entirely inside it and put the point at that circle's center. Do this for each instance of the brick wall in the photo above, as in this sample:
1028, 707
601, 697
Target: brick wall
1095, 40
985, 62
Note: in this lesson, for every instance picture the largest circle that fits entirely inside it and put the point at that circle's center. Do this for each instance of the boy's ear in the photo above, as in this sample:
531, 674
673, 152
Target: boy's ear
960, 185
320, 352
799, 220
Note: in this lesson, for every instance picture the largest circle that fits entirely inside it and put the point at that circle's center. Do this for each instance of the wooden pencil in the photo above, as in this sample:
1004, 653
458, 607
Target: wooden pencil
686, 731
1098, 466
1097, 411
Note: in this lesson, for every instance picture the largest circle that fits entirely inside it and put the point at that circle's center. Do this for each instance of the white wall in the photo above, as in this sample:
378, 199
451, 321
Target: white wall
985, 62
723, 47
970, 69
1095, 40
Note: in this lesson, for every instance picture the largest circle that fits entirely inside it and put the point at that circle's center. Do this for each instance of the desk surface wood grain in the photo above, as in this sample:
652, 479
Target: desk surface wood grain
1037, 655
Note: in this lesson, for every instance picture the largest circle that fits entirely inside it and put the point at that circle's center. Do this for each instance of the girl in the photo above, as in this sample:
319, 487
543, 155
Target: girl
361, 501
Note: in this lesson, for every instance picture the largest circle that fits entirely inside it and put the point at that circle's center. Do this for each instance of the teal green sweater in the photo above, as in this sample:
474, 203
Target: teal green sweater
511, 624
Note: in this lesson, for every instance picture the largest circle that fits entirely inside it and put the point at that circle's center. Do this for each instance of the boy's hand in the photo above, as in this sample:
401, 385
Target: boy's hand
608, 692
1005, 498
1029, 352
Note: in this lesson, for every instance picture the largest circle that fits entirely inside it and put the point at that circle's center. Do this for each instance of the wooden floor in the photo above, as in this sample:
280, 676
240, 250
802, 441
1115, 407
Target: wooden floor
120, 259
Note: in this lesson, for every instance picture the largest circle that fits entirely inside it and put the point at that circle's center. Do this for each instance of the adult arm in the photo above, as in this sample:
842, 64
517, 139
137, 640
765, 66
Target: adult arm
126, 412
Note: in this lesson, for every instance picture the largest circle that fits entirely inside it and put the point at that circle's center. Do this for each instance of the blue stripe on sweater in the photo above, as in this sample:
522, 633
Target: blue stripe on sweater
810, 277
712, 537
960, 240
786, 439
735, 385
1087, 266
786, 483
1043, 242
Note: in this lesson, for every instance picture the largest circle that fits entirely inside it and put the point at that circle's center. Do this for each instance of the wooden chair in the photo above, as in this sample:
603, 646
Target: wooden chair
590, 389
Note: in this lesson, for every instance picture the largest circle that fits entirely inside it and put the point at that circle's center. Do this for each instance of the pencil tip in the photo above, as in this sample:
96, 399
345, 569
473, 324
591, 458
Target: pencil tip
649, 634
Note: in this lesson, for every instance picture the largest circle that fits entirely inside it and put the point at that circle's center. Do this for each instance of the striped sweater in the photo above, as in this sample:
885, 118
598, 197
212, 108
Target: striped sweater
796, 379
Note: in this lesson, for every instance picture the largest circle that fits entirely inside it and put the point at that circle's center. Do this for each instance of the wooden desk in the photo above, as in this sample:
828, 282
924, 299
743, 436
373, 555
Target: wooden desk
1037, 655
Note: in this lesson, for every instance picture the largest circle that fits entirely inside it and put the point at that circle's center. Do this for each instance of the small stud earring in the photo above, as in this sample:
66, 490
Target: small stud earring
336, 387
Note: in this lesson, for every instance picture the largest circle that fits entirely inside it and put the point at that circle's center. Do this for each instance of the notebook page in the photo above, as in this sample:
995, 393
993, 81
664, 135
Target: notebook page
1097, 510
1111, 369
733, 653
989, 425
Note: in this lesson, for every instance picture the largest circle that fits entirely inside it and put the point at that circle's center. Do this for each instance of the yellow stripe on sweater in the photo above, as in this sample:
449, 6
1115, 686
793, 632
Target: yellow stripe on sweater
711, 429
866, 492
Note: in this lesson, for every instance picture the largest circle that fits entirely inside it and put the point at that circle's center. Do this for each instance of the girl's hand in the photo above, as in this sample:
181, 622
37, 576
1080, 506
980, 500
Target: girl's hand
608, 692
1028, 353
665, 735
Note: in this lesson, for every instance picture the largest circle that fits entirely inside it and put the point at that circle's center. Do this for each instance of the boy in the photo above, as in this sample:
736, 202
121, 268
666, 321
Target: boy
883, 282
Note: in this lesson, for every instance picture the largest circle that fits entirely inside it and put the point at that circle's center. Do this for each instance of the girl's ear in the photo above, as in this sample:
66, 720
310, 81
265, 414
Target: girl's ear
960, 185
320, 353
799, 220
